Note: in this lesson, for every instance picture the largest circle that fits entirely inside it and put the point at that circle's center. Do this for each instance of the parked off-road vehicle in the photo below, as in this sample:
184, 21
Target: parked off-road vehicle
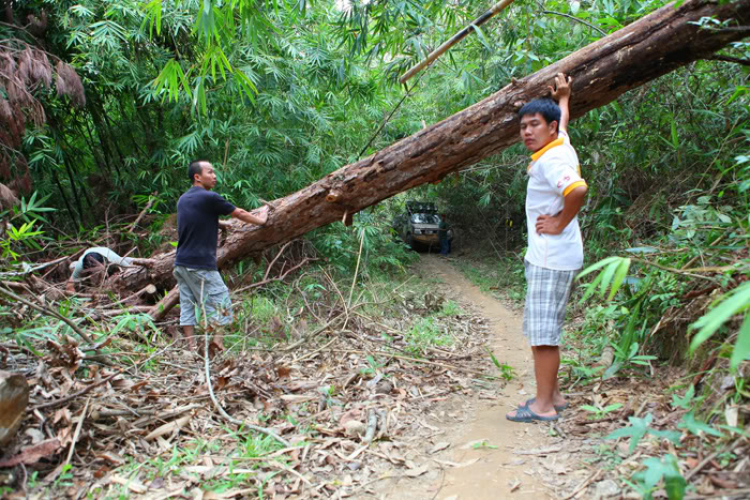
418, 227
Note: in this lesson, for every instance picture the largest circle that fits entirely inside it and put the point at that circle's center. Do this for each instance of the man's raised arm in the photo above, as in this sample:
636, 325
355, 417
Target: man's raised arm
561, 93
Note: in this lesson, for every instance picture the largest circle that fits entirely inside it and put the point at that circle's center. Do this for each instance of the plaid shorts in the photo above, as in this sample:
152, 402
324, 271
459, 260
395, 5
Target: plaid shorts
209, 287
547, 293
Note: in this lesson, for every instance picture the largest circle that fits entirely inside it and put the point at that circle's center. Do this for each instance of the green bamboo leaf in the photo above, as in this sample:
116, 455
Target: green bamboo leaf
153, 16
596, 266
168, 79
742, 346
607, 275
184, 81
199, 95
481, 37
620, 274
733, 303
173, 85
592, 287
246, 85
223, 59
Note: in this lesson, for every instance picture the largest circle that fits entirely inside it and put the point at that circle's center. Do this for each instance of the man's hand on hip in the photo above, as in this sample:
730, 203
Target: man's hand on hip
548, 224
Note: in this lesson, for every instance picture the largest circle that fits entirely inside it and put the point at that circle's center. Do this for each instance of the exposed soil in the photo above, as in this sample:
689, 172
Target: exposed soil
486, 455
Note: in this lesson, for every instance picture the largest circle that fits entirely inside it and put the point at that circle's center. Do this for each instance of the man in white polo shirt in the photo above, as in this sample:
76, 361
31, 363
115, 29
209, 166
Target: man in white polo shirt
554, 196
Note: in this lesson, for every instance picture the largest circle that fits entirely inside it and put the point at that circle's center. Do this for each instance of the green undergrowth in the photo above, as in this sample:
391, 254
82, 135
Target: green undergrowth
673, 303
240, 452
425, 333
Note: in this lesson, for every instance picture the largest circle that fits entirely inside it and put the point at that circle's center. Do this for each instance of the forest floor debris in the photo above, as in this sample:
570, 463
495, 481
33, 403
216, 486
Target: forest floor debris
400, 405
349, 398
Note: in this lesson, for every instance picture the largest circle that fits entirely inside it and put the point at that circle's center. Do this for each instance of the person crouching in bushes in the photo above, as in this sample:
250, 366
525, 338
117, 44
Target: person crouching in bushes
95, 263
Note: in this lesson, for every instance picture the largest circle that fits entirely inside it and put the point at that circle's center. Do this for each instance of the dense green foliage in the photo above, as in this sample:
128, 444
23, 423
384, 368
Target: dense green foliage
280, 93
276, 93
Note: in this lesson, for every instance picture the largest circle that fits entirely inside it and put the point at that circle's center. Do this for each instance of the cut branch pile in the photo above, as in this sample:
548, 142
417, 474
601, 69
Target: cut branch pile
349, 398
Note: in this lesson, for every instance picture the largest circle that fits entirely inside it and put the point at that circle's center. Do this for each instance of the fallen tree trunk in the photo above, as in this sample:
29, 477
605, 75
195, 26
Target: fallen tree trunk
14, 398
650, 47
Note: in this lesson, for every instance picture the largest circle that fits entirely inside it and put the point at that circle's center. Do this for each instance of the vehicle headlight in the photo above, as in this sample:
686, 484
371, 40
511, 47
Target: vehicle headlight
417, 231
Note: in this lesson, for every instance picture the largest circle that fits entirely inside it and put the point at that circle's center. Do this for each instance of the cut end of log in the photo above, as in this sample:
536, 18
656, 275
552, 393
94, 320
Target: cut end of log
14, 398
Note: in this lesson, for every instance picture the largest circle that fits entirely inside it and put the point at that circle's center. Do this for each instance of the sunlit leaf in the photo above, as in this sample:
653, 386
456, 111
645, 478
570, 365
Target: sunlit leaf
742, 345
735, 302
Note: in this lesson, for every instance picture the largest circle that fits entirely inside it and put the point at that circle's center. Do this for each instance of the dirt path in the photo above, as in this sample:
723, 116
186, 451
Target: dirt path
467, 470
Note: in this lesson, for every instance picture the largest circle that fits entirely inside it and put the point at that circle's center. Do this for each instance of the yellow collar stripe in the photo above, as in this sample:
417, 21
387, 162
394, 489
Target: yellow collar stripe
557, 142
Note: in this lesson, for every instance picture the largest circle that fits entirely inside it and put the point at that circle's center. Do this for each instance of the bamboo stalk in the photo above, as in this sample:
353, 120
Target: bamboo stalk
454, 40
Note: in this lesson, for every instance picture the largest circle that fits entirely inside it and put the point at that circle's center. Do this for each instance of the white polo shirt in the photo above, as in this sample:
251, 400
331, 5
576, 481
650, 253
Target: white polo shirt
553, 173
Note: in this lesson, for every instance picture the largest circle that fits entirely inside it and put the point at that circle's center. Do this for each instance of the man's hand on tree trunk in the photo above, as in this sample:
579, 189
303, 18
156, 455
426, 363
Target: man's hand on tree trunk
258, 217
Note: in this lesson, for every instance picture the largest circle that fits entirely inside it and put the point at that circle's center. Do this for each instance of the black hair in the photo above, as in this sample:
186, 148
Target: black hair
545, 106
195, 168
91, 259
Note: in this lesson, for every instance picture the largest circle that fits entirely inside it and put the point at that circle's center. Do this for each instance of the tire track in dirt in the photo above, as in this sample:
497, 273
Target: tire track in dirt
488, 472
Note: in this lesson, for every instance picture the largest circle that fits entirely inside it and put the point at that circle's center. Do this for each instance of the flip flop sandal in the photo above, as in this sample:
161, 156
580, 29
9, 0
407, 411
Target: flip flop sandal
525, 415
558, 408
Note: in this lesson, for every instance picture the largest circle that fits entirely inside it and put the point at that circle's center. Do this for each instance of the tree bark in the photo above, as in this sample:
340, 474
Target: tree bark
646, 49
14, 397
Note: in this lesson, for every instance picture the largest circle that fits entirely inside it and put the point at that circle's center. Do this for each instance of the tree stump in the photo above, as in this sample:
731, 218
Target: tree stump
14, 398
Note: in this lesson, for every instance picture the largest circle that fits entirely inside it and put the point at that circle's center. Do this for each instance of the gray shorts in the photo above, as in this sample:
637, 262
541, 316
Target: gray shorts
202, 290
547, 295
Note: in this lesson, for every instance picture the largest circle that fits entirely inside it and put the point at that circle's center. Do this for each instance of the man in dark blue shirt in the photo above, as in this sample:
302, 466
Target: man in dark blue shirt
202, 290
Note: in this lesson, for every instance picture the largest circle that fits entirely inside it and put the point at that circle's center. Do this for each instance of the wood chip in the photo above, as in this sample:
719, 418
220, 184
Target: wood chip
457, 465
515, 485
168, 428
